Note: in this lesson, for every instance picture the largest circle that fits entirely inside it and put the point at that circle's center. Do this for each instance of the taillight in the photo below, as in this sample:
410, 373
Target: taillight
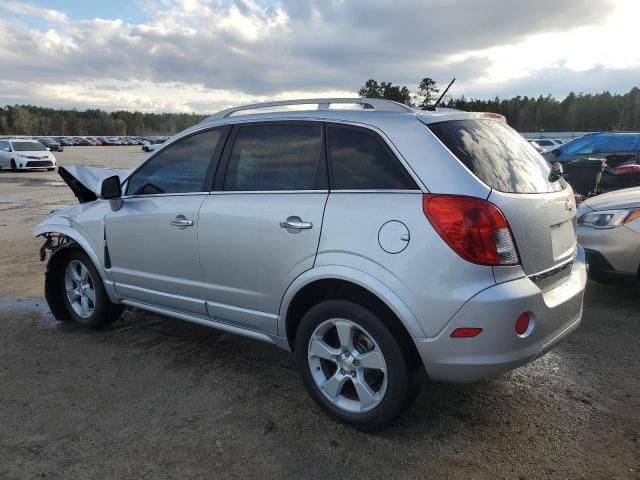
474, 228
627, 169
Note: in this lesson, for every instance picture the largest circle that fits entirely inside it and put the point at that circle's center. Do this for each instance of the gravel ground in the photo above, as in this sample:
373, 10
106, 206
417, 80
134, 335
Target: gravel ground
151, 397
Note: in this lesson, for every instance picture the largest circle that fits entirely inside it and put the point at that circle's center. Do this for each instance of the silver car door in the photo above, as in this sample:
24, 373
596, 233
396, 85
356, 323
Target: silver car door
260, 229
152, 239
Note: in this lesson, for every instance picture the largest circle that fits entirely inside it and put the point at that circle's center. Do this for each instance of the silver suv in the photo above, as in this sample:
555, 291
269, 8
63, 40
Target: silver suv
370, 241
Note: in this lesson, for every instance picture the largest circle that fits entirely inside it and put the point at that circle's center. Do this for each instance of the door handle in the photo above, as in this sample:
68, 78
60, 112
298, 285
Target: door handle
181, 222
295, 223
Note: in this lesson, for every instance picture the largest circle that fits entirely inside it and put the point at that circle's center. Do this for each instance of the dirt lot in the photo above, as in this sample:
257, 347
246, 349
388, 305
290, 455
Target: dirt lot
152, 397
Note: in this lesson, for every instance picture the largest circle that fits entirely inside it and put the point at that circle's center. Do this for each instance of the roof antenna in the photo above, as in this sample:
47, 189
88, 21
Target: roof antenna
432, 108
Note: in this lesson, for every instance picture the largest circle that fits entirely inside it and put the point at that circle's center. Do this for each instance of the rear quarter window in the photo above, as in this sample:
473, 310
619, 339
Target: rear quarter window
497, 155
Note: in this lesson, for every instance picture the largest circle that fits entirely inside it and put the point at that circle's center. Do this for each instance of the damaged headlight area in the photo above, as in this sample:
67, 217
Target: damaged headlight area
53, 241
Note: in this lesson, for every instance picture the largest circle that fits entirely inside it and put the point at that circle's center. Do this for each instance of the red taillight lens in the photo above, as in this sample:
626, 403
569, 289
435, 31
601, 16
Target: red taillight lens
627, 169
474, 228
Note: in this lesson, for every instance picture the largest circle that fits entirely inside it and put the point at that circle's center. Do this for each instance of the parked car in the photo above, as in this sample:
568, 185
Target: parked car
23, 154
609, 231
64, 142
544, 144
52, 145
152, 144
596, 145
370, 242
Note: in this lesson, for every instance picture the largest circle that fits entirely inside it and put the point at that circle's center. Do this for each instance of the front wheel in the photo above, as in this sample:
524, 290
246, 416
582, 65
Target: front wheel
353, 366
83, 292
14, 167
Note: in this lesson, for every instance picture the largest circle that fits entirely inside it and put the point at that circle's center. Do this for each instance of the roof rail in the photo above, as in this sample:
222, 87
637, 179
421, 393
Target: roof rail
379, 104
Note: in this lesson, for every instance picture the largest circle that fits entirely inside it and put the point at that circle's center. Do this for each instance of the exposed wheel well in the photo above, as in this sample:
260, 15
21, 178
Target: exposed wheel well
321, 290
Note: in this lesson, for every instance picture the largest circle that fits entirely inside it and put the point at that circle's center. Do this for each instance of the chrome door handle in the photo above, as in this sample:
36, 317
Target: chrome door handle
295, 223
181, 221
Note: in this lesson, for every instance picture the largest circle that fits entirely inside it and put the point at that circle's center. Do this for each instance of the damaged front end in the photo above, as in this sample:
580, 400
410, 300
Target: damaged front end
53, 242
85, 182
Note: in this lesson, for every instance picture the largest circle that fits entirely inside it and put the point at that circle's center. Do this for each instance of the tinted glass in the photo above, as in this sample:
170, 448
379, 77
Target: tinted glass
275, 157
497, 155
361, 160
28, 147
179, 168
580, 146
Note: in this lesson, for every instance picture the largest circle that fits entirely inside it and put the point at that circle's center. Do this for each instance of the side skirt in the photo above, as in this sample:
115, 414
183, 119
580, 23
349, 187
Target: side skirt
208, 322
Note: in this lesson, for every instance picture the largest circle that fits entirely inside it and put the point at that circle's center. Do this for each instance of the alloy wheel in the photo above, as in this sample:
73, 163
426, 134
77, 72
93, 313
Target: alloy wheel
80, 288
347, 365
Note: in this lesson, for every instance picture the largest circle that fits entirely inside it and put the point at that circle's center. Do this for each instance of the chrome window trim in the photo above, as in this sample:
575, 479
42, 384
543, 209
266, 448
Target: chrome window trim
157, 195
232, 192
378, 190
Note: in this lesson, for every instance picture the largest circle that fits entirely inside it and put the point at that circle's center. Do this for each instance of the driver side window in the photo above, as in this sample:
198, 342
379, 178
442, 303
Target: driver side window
179, 168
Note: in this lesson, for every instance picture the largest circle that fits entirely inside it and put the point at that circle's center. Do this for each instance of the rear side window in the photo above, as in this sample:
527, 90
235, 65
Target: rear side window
360, 160
276, 157
180, 168
497, 155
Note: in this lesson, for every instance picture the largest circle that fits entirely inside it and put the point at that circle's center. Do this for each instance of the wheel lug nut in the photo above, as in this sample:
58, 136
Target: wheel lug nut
356, 363
353, 374
342, 371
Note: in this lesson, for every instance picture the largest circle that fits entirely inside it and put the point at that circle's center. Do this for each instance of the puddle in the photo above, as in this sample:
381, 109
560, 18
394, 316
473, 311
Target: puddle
38, 305
33, 182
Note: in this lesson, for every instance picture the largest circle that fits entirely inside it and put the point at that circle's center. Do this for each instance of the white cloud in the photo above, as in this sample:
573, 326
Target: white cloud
203, 55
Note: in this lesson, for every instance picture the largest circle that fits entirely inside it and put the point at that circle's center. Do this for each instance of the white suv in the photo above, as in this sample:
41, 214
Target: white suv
25, 154
370, 242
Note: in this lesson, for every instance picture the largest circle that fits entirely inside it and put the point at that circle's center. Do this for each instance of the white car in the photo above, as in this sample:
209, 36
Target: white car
24, 154
545, 144
609, 231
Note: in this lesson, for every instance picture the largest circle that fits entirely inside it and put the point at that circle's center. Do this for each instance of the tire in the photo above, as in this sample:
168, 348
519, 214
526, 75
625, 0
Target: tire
392, 387
14, 167
91, 306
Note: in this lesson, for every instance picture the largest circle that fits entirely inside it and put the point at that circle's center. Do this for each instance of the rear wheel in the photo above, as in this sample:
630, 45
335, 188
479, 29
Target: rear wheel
83, 292
353, 366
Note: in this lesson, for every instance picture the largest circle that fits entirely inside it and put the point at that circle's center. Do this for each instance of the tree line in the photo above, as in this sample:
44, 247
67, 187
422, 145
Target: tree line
575, 113
36, 121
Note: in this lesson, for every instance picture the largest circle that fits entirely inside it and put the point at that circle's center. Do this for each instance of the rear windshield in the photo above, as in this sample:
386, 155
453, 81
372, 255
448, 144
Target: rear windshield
497, 155
28, 147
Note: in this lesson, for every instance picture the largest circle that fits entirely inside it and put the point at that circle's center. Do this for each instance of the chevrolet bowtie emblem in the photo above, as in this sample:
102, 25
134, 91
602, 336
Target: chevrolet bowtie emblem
569, 204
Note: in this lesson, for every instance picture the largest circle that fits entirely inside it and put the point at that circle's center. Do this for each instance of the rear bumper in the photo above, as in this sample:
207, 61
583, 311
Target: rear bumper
497, 349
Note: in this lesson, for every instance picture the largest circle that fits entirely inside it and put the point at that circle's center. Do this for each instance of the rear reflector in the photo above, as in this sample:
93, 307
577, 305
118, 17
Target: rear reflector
522, 324
474, 228
465, 332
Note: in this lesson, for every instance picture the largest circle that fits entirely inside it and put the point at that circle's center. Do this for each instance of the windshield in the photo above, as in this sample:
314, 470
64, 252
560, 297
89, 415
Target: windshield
497, 155
582, 145
28, 147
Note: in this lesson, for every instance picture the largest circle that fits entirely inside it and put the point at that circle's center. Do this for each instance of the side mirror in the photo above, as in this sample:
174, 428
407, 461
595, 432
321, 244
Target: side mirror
110, 188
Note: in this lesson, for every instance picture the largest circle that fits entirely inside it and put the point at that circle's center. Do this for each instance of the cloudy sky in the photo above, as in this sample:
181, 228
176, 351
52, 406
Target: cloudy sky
203, 55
